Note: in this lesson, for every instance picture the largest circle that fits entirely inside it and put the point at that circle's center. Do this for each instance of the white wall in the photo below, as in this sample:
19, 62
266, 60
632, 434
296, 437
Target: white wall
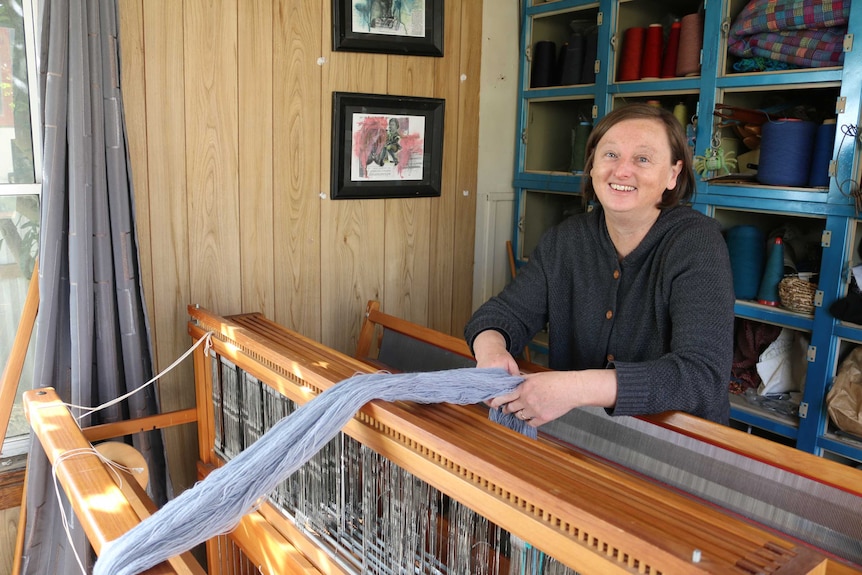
497, 125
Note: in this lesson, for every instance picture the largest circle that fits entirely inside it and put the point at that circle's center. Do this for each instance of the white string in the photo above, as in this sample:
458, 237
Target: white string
205, 338
112, 465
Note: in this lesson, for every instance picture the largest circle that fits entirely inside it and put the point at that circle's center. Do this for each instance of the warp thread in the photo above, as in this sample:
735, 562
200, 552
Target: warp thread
651, 57
785, 152
580, 134
822, 154
215, 505
746, 246
690, 45
630, 60
671, 51
544, 64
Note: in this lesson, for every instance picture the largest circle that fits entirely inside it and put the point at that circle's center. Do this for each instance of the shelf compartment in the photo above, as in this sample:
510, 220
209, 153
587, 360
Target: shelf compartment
548, 136
750, 415
540, 210
556, 25
741, 118
733, 8
802, 236
643, 14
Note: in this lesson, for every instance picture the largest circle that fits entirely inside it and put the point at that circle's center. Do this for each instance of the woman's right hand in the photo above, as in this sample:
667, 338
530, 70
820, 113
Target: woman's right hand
489, 348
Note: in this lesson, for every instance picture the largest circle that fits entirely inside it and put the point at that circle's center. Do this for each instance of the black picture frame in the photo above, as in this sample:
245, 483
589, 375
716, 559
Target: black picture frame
386, 146
415, 29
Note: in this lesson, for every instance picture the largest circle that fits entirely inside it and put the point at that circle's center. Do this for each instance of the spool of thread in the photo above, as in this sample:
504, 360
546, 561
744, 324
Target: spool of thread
571, 59
772, 275
591, 46
785, 152
630, 60
822, 154
690, 45
671, 51
544, 64
680, 112
579, 145
746, 246
651, 56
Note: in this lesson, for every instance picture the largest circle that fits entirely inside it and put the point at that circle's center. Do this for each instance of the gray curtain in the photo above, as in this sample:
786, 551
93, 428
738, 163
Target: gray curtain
92, 339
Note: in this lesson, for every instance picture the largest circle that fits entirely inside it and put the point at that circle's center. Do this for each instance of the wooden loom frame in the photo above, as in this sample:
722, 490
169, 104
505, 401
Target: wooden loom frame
291, 363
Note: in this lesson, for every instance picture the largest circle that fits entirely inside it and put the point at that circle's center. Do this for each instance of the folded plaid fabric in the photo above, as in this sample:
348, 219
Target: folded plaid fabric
807, 33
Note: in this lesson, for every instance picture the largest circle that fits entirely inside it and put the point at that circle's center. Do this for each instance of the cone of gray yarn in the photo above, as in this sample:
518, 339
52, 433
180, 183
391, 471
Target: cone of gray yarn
216, 504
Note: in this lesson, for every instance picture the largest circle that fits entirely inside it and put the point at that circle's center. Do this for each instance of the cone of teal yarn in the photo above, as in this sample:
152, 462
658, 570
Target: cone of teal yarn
746, 246
772, 274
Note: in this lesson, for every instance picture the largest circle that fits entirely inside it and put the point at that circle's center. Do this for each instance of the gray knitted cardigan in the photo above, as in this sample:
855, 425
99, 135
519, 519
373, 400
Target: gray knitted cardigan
662, 317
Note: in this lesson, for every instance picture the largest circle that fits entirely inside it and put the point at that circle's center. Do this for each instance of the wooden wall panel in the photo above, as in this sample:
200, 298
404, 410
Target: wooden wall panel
255, 131
407, 249
211, 153
352, 231
229, 106
297, 101
447, 85
468, 162
164, 164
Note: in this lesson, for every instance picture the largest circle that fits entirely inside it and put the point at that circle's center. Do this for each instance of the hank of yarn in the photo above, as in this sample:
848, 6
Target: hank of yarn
630, 59
822, 154
785, 152
671, 51
544, 64
571, 59
214, 506
651, 56
773, 273
746, 246
591, 46
579, 145
690, 45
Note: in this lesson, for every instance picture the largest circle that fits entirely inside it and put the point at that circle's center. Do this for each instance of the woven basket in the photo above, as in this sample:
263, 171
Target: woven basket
797, 295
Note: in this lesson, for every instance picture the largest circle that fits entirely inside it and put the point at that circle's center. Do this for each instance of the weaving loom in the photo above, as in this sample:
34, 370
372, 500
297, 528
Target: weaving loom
439, 489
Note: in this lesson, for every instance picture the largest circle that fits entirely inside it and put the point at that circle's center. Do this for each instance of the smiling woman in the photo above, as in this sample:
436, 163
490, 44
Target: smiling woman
637, 294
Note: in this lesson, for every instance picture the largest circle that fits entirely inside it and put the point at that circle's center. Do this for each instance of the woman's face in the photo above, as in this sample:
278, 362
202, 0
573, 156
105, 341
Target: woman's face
632, 167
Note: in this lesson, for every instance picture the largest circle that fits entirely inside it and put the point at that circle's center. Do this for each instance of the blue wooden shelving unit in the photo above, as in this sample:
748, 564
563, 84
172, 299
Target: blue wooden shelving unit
545, 118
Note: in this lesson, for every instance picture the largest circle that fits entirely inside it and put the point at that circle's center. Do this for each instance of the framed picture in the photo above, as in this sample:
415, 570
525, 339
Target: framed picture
386, 146
410, 27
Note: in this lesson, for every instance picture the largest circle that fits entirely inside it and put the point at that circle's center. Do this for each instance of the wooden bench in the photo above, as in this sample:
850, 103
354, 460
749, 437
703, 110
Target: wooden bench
394, 344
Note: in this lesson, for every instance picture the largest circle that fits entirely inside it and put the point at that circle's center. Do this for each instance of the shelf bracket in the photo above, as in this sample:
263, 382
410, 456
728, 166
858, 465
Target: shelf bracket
812, 353
826, 239
818, 298
803, 410
848, 42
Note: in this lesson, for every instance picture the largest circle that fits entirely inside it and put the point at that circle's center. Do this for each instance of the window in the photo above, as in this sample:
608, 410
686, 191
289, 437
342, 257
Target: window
20, 189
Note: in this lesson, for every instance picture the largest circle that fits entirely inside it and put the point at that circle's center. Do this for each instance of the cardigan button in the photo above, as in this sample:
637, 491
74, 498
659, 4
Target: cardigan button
616, 274
609, 314
610, 357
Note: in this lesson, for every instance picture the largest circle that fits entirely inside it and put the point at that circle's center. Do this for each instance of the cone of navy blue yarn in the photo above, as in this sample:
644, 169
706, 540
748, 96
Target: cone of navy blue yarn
786, 148
822, 155
747, 250
767, 294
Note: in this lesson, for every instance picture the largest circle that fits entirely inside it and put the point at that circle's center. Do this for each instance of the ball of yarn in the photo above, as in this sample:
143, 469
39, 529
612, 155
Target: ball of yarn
746, 246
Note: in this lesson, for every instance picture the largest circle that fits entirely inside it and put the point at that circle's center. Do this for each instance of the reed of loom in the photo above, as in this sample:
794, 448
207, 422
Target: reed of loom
581, 512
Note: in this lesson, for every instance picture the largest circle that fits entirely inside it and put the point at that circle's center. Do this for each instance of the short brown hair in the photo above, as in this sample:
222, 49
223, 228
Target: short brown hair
686, 184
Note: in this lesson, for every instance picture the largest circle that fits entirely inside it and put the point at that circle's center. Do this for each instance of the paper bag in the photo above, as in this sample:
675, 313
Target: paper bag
844, 400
